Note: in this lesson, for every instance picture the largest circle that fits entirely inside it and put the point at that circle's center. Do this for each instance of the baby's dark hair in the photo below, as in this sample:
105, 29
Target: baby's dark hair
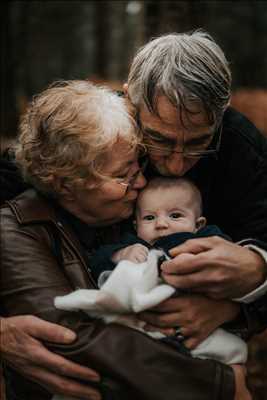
168, 182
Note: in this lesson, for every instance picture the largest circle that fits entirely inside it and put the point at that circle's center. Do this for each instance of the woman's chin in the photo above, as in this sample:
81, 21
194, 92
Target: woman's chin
128, 211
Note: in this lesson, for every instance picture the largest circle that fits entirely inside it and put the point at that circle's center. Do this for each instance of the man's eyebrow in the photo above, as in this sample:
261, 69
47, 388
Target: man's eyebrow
199, 139
193, 140
157, 134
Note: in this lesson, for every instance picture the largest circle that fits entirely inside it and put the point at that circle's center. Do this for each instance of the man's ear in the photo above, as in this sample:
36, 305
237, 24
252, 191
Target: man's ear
125, 89
200, 223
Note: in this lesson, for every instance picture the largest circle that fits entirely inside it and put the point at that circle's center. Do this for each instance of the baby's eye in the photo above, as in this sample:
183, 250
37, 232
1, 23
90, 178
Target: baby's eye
148, 217
175, 215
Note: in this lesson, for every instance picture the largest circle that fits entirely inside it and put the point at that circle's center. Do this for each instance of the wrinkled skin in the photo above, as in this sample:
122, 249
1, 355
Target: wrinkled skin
216, 267
196, 315
23, 351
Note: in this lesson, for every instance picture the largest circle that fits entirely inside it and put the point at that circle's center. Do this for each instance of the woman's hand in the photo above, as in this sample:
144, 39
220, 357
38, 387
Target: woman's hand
21, 348
196, 316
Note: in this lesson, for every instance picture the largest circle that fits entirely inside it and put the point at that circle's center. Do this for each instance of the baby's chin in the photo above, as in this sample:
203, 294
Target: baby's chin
153, 241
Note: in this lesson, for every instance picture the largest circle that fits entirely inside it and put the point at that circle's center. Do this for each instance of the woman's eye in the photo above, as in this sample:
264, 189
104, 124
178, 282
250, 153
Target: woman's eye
122, 177
175, 215
155, 138
149, 217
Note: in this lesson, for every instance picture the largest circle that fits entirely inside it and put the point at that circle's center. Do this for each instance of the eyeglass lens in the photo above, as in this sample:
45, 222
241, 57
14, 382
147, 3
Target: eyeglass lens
189, 151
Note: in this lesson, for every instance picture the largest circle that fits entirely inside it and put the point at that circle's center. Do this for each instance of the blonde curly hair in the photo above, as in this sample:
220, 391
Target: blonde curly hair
66, 133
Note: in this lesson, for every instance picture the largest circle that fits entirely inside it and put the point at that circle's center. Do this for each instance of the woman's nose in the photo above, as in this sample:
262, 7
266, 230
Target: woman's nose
140, 181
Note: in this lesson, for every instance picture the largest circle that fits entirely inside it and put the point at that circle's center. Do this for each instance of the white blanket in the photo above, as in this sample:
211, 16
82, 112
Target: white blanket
132, 288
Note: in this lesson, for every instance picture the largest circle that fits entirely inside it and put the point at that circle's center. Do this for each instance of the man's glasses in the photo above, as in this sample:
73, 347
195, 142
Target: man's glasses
166, 148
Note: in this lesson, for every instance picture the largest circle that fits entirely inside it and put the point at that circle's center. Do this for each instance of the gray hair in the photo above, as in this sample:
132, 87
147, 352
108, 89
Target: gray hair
66, 133
187, 68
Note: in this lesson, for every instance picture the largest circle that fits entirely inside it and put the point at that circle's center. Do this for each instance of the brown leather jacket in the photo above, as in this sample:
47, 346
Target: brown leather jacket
132, 364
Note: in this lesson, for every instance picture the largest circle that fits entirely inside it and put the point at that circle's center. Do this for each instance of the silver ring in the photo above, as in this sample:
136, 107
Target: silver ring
179, 336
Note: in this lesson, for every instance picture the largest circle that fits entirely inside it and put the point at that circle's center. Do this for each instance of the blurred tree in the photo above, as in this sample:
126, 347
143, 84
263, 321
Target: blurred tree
9, 112
59, 39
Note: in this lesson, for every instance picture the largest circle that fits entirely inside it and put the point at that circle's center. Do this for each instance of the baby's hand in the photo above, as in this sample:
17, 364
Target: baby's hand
136, 253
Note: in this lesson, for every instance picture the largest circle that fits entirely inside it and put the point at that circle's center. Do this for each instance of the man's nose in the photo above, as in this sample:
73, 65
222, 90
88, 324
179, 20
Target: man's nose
175, 163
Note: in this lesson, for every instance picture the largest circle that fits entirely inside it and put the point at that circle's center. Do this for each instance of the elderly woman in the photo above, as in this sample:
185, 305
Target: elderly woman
79, 149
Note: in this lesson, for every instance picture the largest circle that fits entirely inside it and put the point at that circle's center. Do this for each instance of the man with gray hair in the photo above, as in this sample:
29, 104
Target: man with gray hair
180, 85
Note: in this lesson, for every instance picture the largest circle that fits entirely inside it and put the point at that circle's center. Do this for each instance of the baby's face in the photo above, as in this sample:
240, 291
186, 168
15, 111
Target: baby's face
163, 211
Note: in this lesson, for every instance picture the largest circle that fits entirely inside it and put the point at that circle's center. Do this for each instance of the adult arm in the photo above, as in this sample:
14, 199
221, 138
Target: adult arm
197, 316
221, 269
123, 357
216, 267
21, 340
237, 203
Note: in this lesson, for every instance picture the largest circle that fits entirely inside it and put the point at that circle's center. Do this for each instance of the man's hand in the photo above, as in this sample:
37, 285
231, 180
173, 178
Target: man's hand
22, 350
136, 253
241, 390
214, 266
196, 315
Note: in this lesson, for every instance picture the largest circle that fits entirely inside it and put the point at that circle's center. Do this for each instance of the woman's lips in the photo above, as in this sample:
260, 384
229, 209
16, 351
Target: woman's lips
132, 196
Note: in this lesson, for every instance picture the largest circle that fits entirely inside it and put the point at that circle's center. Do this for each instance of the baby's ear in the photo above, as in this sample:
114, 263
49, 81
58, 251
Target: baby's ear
200, 223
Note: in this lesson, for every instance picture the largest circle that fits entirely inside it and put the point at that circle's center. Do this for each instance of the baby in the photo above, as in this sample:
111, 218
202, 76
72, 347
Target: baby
168, 212
164, 207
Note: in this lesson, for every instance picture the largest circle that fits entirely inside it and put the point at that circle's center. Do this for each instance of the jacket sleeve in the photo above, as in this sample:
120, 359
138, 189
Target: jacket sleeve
132, 365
